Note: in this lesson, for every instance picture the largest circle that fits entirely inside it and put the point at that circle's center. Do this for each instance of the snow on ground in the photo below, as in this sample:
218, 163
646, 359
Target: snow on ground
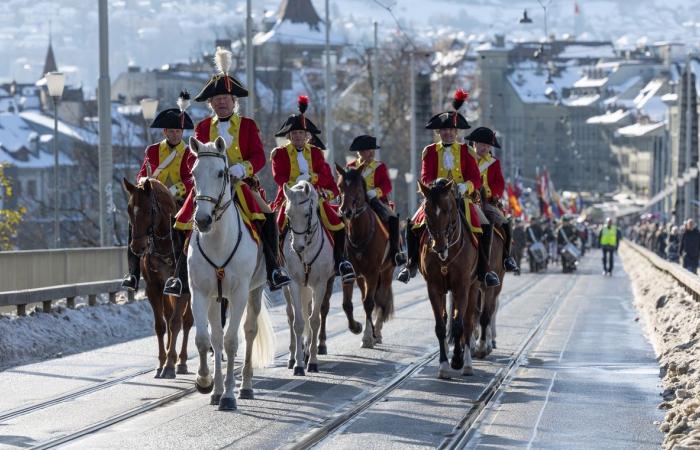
672, 321
39, 336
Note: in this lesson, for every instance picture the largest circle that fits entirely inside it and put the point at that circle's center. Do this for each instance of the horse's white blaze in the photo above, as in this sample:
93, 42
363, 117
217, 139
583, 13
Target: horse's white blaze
241, 285
312, 249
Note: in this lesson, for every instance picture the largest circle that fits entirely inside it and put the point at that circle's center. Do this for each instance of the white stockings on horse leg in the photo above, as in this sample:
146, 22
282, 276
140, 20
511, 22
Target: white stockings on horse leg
269, 233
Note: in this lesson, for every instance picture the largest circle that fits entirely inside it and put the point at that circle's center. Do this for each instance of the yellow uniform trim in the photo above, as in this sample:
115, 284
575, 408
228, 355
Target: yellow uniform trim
324, 218
170, 174
456, 173
233, 152
485, 173
294, 164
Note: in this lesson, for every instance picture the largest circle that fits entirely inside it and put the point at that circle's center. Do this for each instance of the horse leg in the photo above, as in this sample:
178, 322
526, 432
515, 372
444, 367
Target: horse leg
290, 320
187, 321
173, 312
200, 312
250, 328
236, 306
493, 323
325, 307
459, 300
384, 300
483, 346
354, 326
468, 322
306, 308
217, 343
297, 330
155, 298
318, 296
369, 289
437, 302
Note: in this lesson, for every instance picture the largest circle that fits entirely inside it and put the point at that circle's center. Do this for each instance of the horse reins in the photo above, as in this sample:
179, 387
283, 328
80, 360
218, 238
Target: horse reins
308, 233
455, 224
152, 236
217, 213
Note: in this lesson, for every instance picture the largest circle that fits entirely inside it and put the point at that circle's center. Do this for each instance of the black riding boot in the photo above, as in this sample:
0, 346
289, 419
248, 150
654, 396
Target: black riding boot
343, 267
411, 268
131, 279
277, 276
489, 278
508, 261
395, 253
178, 283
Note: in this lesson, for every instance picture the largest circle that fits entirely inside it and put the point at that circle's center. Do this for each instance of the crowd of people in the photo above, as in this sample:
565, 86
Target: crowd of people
674, 243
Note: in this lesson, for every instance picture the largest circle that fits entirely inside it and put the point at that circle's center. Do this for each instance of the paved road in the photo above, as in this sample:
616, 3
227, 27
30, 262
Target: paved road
587, 379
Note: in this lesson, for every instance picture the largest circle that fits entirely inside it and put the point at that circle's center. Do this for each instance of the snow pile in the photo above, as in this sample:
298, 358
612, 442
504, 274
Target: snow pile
40, 335
672, 321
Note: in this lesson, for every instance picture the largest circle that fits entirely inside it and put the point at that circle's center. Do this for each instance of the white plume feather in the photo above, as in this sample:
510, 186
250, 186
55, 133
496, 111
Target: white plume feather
183, 102
222, 59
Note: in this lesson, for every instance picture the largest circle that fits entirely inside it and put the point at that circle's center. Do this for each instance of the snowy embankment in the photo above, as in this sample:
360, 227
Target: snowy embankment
672, 321
39, 336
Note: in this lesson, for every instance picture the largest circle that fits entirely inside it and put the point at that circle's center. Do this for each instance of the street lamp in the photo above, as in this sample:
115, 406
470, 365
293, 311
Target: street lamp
148, 109
55, 82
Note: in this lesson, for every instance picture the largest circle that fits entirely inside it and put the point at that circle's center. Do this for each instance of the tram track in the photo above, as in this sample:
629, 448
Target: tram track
335, 424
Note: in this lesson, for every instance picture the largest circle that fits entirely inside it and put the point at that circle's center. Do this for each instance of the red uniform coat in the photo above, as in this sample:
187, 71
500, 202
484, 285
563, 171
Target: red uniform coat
251, 146
492, 180
152, 160
378, 179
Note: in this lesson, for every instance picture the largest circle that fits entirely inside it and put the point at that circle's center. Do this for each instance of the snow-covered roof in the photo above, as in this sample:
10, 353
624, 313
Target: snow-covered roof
610, 117
639, 129
581, 100
649, 102
14, 133
670, 97
530, 82
574, 51
45, 121
19, 145
286, 32
586, 82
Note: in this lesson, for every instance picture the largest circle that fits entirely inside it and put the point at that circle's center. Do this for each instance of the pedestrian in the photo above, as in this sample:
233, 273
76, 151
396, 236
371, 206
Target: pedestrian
609, 239
690, 246
674, 242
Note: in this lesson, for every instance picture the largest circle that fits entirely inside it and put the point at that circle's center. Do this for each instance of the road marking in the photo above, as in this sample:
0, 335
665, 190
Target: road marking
571, 332
539, 417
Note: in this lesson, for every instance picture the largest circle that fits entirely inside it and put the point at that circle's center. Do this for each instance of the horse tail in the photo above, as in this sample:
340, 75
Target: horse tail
264, 345
385, 299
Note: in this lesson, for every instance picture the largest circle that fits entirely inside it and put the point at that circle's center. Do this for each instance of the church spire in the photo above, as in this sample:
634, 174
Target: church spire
299, 11
50, 61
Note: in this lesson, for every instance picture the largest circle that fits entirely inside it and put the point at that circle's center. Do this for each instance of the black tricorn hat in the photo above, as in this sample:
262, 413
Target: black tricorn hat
298, 121
222, 82
174, 119
317, 142
451, 119
483, 135
364, 142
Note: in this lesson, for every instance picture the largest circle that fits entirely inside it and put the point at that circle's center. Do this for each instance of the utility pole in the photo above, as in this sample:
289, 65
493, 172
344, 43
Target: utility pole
329, 88
688, 140
375, 89
412, 187
249, 63
105, 129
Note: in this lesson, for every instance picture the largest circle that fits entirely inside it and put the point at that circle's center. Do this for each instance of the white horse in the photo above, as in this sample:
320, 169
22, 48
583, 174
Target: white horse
309, 257
219, 260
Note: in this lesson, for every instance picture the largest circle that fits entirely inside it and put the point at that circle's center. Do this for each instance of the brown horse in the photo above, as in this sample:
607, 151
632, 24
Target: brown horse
448, 264
488, 306
150, 210
368, 245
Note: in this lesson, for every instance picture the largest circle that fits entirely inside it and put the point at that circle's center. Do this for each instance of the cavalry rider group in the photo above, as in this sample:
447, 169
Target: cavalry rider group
473, 168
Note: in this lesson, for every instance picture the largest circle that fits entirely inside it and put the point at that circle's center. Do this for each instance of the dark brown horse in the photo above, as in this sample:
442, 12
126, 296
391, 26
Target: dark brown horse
448, 264
150, 210
485, 338
368, 246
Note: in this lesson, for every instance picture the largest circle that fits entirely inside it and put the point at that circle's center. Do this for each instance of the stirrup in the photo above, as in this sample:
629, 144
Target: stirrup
510, 265
346, 272
130, 282
407, 273
173, 286
278, 279
400, 259
491, 279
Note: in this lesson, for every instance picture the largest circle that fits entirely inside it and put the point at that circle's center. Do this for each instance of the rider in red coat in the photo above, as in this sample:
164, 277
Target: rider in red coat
448, 159
299, 160
170, 162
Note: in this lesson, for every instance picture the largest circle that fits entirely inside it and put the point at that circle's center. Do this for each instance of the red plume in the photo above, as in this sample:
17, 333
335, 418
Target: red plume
303, 102
461, 96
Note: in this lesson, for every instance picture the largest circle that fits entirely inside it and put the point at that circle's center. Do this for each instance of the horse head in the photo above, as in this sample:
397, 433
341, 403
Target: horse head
353, 190
440, 213
211, 179
301, 206
150, 207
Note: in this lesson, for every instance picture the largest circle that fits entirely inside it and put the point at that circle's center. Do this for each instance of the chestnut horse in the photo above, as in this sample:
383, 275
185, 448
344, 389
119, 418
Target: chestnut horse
485, 336
448, 264
367, 243
150, 208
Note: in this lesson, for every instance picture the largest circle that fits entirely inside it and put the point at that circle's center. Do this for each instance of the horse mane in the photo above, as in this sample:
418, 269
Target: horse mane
162, 195
353, 175
437, 189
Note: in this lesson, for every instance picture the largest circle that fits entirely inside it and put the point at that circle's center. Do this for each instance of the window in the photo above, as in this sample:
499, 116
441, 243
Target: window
31, 188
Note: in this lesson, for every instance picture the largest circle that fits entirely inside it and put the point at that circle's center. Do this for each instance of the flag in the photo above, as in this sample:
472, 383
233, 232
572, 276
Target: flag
513, 202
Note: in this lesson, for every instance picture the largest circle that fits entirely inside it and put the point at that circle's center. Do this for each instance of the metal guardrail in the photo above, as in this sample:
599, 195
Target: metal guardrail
48, 295
689, 281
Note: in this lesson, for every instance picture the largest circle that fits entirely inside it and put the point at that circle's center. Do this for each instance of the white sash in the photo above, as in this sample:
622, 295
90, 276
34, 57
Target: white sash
166, 162
486, 164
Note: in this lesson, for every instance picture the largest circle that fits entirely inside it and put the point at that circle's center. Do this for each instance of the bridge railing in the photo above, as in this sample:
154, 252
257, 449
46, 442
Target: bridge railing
44, 276
689, 281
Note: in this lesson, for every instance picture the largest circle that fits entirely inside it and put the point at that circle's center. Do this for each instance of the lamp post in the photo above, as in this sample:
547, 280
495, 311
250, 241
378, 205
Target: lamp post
55, 82
148, 109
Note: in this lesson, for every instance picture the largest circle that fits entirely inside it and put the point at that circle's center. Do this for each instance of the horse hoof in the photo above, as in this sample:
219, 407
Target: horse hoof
457, 363
367, 343
378, 340
214, 399
356, 328
290, 364
182, 369
246, 394
468, 371
204, 389
493, 343
159, 372
227, 404
299, 372
322, 349
168, 373
313, 368
444, 371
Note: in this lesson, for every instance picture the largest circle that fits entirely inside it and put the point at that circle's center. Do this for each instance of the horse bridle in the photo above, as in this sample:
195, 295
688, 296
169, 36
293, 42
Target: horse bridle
219, 209
451, 226
308, 234
151, 234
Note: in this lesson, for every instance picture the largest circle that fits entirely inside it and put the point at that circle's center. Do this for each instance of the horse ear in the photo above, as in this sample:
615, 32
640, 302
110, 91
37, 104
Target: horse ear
340, 169
286, 190
147, 186
450, 184
128, 186
194, 144
423, 188
220, 144
306, 188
